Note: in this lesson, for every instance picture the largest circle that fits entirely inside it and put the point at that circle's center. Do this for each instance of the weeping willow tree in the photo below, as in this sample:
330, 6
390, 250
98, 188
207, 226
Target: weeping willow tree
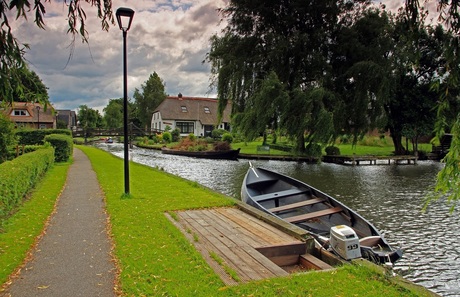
448, 116
273, 63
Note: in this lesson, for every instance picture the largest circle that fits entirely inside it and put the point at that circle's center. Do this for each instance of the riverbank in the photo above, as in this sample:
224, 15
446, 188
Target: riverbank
156, 259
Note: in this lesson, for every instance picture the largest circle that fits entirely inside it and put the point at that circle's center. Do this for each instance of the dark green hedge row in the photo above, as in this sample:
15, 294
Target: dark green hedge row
20, 175
38, 136
63, 146
281, 147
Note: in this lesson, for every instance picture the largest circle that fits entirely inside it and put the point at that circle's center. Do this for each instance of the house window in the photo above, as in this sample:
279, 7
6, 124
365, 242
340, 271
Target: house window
185, 127
19, 112
206, 110
184, 108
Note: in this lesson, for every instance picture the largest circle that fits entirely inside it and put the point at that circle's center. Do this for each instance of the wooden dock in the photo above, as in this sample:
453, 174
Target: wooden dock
370, 160
232, 240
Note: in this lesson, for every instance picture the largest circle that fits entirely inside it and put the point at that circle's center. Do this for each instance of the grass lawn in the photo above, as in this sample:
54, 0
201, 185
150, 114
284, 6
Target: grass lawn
156, 259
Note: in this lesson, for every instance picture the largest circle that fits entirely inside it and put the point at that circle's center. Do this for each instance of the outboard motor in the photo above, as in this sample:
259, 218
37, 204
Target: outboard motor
345, 242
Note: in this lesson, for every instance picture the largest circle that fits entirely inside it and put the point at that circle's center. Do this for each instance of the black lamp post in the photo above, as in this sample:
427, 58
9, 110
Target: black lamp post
124, 18
38, 115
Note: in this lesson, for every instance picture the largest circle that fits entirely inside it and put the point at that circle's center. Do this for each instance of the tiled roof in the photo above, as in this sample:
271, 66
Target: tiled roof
192, 109
47, 116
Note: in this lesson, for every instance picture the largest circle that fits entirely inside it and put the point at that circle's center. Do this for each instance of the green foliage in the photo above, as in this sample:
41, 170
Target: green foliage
63, 146
192, 137
89, 118
167, 137
228, 137
217, 133
152, 93
7, 136
12, 63
175, 135
313, 150
19, 176
37, 137
332, 151
113, 114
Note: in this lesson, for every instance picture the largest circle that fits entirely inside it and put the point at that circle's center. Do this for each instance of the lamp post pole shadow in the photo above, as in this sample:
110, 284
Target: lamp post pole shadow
125, 15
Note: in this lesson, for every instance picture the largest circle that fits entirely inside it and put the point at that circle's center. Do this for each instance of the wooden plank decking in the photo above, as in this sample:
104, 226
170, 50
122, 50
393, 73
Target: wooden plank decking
233, 236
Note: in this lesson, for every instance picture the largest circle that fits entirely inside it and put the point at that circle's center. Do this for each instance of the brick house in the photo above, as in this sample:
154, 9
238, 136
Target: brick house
33, 115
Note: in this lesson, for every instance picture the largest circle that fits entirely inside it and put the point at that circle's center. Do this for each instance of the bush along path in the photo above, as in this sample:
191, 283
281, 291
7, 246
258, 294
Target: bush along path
74, 256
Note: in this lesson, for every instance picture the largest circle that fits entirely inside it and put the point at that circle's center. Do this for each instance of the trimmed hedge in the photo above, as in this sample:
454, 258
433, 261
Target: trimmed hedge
63, 146
38, 136
19, 176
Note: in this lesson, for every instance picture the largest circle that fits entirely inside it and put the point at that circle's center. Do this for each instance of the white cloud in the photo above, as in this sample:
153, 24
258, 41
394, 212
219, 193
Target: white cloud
168, 37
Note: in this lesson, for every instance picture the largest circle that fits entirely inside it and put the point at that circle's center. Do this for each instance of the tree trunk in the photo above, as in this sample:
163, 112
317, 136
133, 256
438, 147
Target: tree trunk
300, 145
397, 141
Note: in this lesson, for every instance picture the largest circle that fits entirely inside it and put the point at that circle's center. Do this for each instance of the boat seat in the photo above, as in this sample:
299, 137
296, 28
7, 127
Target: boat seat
280, 194
312, 215
297, 205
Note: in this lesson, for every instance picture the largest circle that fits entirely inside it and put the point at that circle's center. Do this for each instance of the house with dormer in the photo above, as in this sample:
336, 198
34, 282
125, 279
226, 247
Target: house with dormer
195, 115
32, 115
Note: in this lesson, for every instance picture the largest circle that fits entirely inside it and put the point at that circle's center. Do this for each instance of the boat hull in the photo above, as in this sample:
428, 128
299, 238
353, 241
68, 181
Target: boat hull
307, 207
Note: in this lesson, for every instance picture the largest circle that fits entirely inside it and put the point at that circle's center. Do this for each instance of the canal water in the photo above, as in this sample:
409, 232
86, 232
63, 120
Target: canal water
389, 196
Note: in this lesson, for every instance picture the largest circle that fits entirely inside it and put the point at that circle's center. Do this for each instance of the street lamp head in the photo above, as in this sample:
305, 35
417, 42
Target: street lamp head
124, 18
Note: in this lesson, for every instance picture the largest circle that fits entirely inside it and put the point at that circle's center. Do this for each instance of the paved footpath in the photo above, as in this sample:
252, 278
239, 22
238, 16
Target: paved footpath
73, 257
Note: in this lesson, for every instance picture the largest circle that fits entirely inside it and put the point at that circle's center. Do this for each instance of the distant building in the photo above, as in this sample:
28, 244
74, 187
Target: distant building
33, 115
190, 115
69, 117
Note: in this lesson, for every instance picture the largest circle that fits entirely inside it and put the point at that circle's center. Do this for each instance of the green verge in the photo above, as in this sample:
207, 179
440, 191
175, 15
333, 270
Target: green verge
20, 231
156, 259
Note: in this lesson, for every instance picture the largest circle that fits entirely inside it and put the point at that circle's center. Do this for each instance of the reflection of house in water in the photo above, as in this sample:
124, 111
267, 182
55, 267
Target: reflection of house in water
442, 149
190, 115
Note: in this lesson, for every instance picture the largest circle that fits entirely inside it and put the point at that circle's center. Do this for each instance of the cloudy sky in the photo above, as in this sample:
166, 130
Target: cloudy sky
170, 37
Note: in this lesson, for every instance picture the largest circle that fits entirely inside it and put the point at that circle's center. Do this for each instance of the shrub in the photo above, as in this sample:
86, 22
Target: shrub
313, 150
63, 146
167, 137
222, 146
38, 136
192, 137
332, 151
175, 135
217, 133
19, 176
7, 136
227, 137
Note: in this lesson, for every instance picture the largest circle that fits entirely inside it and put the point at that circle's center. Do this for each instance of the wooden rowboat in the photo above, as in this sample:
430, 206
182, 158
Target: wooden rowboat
227, 154
299, 203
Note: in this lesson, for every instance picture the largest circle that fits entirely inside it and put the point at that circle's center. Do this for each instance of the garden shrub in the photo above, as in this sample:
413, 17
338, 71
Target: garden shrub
19, 176
222, 146
175, 135
313, 150
35, 136
217, 133
167, 137
63, 146
227, 137
332, 151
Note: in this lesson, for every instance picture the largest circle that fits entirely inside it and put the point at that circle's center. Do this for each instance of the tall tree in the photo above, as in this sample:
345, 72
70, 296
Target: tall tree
448, 117
30, 88
89, 118
113, 113
151, 94
289, 38
11, 50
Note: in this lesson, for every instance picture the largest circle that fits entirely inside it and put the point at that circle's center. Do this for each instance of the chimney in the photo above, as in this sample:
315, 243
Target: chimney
179, 95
